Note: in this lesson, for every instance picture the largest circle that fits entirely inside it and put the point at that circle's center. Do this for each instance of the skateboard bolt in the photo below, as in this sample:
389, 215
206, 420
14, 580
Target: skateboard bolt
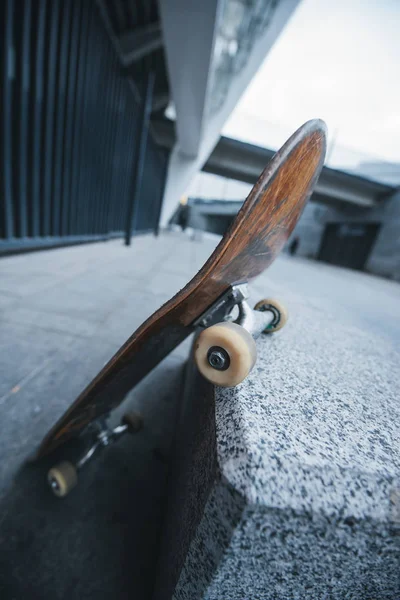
54, 484
218, 358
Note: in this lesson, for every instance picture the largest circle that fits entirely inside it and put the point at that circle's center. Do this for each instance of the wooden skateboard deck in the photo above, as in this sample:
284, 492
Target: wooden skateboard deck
251, 244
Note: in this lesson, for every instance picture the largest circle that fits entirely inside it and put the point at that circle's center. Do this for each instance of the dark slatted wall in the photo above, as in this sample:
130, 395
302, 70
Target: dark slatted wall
69, 126
348, 244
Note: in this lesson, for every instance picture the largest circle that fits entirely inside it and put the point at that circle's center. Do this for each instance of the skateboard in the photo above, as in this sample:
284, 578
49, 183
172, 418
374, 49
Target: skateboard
212, 303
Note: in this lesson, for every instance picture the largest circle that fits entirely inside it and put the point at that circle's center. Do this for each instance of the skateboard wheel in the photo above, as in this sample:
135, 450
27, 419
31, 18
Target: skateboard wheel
279, 311
133, 420
225, 354
62, 478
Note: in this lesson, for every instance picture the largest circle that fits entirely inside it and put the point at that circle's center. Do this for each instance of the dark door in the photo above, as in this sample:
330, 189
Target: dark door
348, 244
218, 223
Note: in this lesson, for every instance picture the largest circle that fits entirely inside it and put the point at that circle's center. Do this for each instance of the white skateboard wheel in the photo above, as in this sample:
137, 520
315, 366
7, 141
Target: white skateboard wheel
225, 354
133, 420
278, 309
62, 478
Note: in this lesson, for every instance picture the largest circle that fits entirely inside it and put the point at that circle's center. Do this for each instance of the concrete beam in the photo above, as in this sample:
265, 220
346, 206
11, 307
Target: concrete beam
187, 50
189, 31
244, 162
116, 42
137, 44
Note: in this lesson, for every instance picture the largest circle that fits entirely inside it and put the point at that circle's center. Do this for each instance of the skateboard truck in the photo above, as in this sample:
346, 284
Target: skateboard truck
225, 350
64, 477
222, 308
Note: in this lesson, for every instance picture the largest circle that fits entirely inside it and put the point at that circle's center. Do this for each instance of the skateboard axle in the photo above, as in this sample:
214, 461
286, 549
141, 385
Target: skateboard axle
255, 321
218, 358
104, 438
54, 485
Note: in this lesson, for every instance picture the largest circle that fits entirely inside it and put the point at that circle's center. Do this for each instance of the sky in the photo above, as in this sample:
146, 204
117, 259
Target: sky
337, 60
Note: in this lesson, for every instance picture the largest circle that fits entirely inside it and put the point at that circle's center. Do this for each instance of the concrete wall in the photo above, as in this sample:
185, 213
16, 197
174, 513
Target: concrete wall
385, 256
214, 216
310, 229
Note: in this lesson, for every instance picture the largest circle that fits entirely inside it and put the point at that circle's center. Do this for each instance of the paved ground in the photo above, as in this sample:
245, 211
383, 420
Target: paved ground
63, 314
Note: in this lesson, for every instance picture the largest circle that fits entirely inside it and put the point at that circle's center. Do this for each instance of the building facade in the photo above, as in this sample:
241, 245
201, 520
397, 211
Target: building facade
85, 86
349, 221
361, 238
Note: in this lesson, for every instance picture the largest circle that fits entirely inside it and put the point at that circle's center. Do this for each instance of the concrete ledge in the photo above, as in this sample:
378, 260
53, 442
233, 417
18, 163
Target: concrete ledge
304, 500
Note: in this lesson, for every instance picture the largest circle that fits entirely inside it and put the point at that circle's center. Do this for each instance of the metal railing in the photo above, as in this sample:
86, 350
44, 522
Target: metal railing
70, 129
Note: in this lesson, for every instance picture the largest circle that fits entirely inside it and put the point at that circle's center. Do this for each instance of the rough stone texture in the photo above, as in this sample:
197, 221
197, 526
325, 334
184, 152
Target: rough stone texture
327, 442
262, 553
306, 500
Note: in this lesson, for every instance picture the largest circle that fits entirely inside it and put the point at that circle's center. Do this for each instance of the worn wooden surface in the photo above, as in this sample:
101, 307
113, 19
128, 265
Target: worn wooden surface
251, 244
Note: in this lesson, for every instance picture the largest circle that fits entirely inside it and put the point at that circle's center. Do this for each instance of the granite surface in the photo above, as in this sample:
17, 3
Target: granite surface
254, 552
305, 503
326, 440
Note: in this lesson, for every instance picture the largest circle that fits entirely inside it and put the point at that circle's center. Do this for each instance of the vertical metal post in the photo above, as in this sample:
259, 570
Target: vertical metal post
75, 215
51, 86
87, 189
133, 208
24, 118
125, 165
164, 170
116, 198
70, 117
125, 158
9, 76
114, 122
60, 136
40, 40
107, 132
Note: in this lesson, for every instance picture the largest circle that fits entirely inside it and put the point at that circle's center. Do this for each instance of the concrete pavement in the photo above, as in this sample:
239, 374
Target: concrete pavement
63, 314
